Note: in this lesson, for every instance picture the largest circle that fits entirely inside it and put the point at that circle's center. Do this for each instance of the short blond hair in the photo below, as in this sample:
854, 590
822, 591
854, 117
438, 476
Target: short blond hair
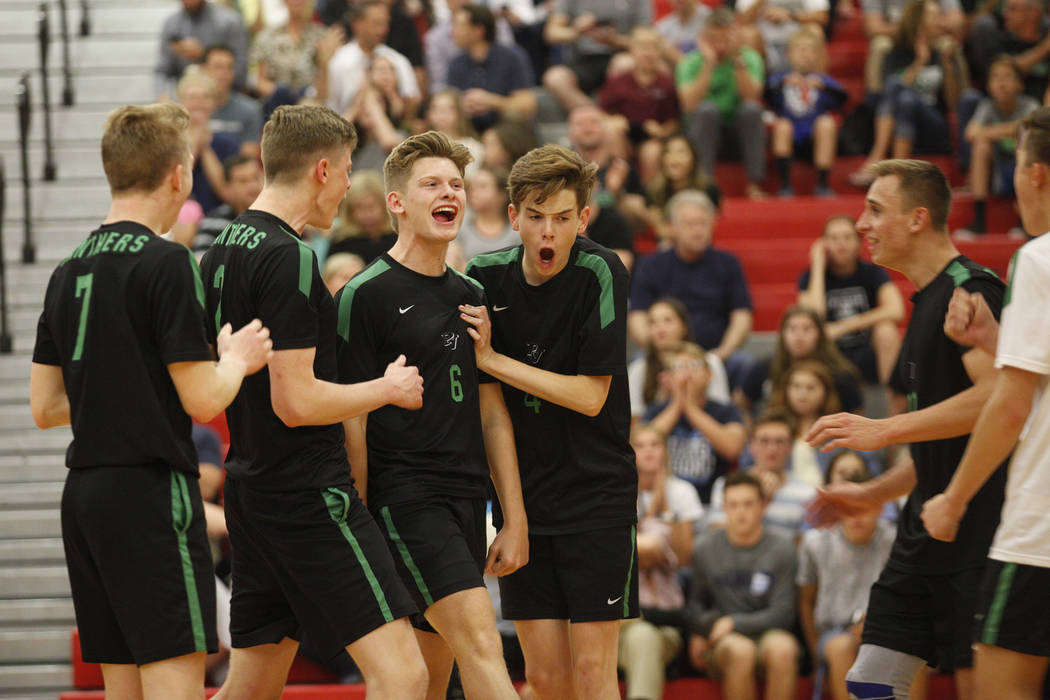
549, 169
920, 184
429, 144
296, 136
141, 144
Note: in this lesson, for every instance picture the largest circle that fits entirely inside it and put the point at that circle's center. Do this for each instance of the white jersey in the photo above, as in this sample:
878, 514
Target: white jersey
1024, 342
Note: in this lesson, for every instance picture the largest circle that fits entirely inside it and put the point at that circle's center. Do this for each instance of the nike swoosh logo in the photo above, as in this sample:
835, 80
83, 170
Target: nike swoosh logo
614, 601
400, 310
500, 308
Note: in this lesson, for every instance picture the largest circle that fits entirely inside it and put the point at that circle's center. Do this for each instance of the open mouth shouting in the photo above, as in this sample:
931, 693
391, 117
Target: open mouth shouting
546, 256
445, 214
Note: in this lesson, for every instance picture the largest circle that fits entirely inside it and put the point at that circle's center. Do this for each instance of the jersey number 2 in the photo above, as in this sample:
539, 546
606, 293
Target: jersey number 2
83, 288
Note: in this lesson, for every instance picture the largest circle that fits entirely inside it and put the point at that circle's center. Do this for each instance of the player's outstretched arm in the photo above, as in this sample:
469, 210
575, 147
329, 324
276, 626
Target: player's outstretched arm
510, 550
994, 436
206, 388
970, 322
577, 392
300, 398
47, 396
950, 418
842, 500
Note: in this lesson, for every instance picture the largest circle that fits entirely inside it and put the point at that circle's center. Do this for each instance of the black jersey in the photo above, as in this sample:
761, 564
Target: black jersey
388, 310
123, 306
259, 268
577, 472
930, 369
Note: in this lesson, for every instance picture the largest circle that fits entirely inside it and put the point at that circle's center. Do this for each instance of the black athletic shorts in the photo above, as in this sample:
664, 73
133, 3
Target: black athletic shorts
139, 564
925, 615
438, 547
1012, 610
582, 577
309, 562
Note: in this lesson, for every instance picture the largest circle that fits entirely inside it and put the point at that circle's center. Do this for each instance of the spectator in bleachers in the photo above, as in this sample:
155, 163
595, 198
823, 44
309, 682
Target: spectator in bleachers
618, 183
803, 99
643, 102
347, 70
993, 134
609, 228
786, 495
680, 28
445, 113
719, 91
196, 92
709, 281
742, 599
496, 79
244, 182
339, 268
882, 24
486, 227
801, 337
1023, 33
704, 437
235, 113
363, 227
860, 305
285, 58
923, 77
506, 141
768, 26
379, 112
185, 35
836, 569
668, 510
806, 394
590, 32
668, 329
679, 170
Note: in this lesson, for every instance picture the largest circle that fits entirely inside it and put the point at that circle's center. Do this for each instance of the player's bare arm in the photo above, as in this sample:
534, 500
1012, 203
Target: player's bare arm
947, 419
47, 396
838, 501
997, 430
970, 322
577, 392
300, 398
510, 550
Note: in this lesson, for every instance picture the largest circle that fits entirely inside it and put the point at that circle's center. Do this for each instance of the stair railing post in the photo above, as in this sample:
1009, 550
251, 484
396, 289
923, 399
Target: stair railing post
24, 113
44, 35
67, 68
5, 330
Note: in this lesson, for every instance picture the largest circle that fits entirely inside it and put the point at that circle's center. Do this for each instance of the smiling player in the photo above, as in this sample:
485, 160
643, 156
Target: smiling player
426, 471
557, 341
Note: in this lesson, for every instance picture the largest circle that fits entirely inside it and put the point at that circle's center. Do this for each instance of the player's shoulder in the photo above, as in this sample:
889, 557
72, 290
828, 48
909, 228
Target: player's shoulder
469, 285
591, 255
487, 264
964, 271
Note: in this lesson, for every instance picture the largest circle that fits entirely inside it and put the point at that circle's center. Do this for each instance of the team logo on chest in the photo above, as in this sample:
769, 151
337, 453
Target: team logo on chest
534, 353
450, 340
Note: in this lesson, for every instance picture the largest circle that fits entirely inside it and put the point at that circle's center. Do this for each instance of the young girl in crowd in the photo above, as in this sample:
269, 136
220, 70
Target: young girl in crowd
705, 437
807, 393
363, 227
679, 170
486, 227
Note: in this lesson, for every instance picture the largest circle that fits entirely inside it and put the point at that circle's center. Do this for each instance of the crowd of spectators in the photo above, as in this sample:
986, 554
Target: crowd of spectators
655, 93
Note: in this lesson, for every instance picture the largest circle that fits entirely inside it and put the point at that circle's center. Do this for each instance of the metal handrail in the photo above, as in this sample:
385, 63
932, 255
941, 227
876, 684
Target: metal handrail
67, 68
44, 35
24, 113
5, 330
85, 19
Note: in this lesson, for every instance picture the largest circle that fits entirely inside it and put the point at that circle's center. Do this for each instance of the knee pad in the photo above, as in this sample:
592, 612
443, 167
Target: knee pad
882, 674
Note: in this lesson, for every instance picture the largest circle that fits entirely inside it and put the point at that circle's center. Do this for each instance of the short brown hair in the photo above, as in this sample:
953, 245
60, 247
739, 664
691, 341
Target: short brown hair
774, 415
742, 478
1007, 61
141, 144
549, 169
921, 184
1035, 136
296, 136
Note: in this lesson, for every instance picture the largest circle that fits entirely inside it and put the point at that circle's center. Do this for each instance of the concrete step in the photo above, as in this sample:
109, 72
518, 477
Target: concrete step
21, 468
33, 582
53, 441
39, 551
29, 677
77, 125
15, 418
17, 524
49, 611
33, 494
87, 55
127, 21
74, 164
58, 201
35, 646
133, 86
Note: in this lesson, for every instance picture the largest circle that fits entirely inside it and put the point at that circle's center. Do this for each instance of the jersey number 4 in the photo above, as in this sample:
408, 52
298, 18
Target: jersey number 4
83, 289
533, 402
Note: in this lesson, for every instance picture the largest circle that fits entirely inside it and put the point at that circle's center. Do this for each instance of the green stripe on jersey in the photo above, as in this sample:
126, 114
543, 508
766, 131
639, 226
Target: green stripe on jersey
198, 285
959, 273
500, 257
1011, 276
990, 633
406, 557
630, 572
338, 504
181, 517
346, 301
306, 263
600, 268
469, 279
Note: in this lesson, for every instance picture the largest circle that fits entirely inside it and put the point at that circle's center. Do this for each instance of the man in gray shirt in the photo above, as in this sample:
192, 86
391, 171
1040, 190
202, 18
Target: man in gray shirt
742, 599
186, 34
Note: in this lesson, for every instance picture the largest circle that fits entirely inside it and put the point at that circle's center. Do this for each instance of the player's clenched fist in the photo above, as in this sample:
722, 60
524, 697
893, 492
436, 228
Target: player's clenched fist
406, 384
251, 345
970, 322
